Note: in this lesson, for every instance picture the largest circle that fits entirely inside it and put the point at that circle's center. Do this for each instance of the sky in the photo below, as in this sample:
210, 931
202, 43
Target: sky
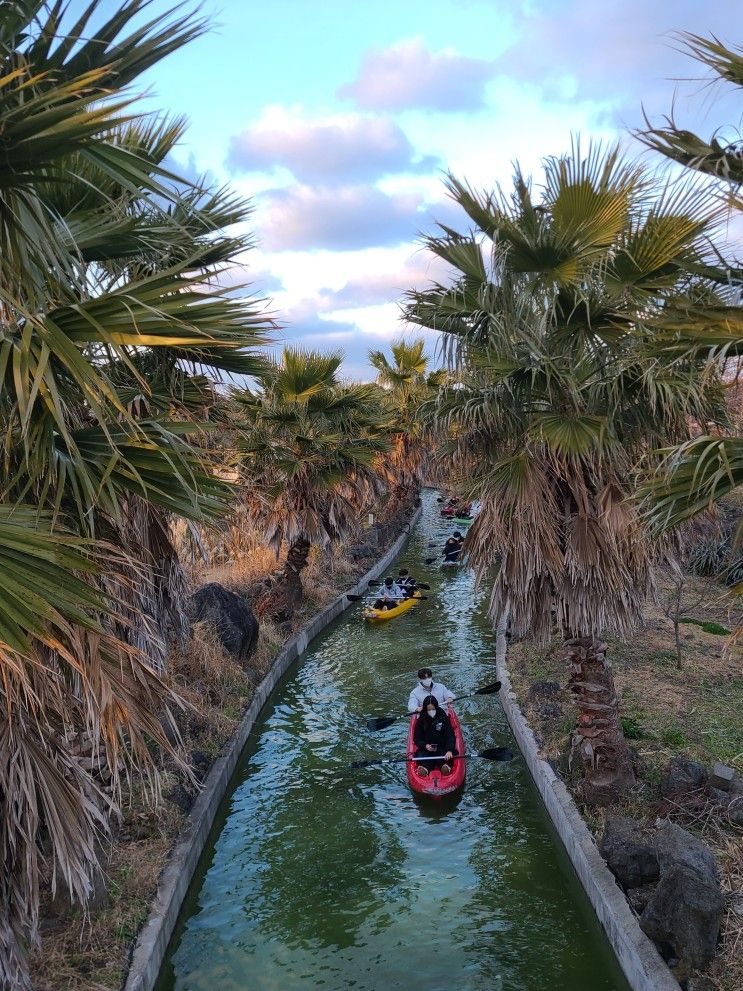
340, 118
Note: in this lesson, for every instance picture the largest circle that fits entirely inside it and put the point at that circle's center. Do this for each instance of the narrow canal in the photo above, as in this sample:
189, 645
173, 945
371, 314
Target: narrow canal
318, 877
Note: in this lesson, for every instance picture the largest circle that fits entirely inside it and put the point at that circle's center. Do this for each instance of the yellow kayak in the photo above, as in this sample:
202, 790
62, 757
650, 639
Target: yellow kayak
382, 615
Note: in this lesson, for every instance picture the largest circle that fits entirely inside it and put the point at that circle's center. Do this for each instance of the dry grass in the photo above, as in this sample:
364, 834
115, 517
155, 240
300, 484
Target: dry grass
695, 711
86, 951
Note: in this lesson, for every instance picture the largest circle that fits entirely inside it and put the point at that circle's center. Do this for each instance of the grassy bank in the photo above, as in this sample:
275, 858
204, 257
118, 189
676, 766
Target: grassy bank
88, 950
695, 711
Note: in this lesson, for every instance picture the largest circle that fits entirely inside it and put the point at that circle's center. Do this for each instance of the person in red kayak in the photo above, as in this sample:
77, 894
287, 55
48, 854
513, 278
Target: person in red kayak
427, 686
434, 737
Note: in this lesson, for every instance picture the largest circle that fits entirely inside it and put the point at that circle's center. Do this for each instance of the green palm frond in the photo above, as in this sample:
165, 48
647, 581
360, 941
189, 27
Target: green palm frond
693, 477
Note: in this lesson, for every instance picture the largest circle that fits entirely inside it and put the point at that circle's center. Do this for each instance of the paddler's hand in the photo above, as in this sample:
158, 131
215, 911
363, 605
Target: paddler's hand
448, 755
431, 748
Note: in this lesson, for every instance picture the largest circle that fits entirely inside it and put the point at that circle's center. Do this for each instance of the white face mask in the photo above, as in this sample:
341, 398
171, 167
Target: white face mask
427, 682
431, 713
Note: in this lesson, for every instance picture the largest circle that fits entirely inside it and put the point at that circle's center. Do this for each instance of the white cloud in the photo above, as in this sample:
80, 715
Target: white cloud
318, 150
407, 75
337, 218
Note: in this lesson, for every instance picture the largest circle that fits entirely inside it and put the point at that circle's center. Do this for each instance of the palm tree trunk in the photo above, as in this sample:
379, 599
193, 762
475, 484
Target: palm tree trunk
289, 592
598, 737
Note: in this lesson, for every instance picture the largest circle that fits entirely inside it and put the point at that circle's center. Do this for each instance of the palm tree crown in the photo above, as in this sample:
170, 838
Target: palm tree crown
112, 328
557, 405
308, 450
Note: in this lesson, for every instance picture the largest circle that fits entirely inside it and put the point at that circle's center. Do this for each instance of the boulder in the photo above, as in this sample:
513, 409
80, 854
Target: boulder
639, 897
358, 552
698, 982
722, 777
683, 775
629, 852
233, 621
685, 910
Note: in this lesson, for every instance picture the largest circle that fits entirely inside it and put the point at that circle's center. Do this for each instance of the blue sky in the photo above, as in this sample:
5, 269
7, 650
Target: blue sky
339, 118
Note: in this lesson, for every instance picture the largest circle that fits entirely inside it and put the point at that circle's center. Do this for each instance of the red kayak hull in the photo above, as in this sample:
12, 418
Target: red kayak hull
436, 784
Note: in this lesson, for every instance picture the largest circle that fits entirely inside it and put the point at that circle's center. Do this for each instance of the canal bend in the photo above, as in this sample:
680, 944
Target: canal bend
319, 877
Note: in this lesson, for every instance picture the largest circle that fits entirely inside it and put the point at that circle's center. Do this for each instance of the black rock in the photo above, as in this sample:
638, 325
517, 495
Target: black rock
700, 983
639, 897
181, 797
234, 623
683, 775
629, 852
357, 552
685, 910
200, 763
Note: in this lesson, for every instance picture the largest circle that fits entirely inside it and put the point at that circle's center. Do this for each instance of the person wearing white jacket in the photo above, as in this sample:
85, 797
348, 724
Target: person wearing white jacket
427, 686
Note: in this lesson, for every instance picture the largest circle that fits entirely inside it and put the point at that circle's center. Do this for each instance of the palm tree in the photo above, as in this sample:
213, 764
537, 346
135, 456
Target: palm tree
702, 470
555, 407
308, 452
407, 384
111, 330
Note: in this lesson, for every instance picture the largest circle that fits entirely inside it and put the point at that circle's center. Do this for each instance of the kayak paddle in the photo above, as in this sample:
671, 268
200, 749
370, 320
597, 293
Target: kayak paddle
376, 582
357, 598
382, 722
494, 753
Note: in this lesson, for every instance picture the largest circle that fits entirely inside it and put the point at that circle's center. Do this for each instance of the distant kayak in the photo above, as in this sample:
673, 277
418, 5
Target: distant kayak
463, 521
382, 615
435, 783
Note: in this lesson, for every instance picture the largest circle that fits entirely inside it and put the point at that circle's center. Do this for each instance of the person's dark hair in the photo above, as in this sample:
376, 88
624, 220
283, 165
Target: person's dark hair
430, 700
389, 580
424, 673
457, 534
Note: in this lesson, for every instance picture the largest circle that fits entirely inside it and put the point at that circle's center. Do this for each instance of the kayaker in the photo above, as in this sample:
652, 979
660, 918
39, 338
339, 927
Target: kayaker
434, 736
406, 582
427, 686
453, 547
390, 594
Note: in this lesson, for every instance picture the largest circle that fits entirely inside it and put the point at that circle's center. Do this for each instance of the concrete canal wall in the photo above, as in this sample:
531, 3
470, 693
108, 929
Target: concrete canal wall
643, 966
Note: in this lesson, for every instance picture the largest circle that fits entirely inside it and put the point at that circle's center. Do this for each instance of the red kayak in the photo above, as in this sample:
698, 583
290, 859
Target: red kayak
435, 783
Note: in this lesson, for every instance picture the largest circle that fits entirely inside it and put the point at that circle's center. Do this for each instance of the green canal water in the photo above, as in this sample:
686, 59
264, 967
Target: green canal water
319, 877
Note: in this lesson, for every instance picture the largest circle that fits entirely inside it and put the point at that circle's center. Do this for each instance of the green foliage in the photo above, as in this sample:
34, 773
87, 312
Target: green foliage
674, 736
632, 728
709, 627
308, 448
556, 397
701, 471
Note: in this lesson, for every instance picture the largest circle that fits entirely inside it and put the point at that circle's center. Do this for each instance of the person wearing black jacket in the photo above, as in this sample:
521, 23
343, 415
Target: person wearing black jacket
453, 547
433, 736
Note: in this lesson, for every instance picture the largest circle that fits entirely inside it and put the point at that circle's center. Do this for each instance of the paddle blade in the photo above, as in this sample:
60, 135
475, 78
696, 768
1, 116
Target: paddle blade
361, 763
496, 753
354, 598
489, 689
430, 560
382, 722
425, 587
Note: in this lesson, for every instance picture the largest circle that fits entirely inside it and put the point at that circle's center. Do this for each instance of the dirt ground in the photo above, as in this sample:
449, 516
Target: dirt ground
696, 711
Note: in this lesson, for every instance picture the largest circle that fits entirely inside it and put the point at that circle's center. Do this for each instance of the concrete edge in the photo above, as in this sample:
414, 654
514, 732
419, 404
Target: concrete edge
154, 937
640, 961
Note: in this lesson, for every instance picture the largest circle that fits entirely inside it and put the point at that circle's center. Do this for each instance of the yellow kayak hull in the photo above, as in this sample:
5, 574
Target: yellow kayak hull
382, 615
